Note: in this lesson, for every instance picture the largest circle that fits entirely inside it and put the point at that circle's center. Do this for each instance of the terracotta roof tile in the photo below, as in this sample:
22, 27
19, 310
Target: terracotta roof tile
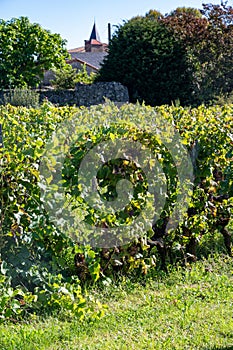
95, 42
78, 49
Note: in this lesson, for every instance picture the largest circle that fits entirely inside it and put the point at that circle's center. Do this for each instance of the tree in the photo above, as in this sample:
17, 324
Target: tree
179, 11
217, 53
26, 51
154, 15
188, 27
149, 60
208, 41
185, 55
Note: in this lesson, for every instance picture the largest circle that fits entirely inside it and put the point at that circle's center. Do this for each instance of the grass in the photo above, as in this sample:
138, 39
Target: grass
189, 308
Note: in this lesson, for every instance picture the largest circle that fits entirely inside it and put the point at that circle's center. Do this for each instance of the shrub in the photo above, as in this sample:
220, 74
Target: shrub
64, 78
67, 77
22, 97
83, 77
223, 99
42, 257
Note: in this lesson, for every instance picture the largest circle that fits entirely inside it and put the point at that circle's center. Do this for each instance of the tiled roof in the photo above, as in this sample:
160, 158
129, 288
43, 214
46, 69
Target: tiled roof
82, 48
93, 59
95, 42
78, 49
82, 62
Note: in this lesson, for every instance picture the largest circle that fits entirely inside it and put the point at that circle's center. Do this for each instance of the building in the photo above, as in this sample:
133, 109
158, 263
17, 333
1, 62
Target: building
91, 54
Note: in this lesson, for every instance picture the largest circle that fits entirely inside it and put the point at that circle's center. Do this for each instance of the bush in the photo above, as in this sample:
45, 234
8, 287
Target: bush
44, 259
64, 78
35, 259
67, 77
223, 99
83, 77
22, 97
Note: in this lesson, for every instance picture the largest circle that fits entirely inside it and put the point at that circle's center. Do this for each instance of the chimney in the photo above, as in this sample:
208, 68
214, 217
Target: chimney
109, 32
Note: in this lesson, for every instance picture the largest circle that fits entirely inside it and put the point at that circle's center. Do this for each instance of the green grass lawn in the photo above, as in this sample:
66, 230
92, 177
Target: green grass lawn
187, 309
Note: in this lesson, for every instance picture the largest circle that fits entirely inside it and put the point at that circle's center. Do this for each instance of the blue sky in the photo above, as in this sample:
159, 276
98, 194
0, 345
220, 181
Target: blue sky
73, 19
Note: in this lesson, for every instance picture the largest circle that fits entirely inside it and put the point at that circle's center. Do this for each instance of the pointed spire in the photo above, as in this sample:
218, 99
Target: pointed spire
94, 33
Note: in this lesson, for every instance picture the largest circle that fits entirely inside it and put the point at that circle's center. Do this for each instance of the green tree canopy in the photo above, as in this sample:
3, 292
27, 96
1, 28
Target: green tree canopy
208, 41
149, 60
26, 51
154, 15
185, 55
179, 11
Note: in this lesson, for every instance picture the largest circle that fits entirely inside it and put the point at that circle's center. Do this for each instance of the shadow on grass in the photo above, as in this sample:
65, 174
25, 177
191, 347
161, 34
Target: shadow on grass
220, 348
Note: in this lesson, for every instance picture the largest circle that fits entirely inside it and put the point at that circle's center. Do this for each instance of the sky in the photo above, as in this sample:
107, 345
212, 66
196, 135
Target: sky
73, 19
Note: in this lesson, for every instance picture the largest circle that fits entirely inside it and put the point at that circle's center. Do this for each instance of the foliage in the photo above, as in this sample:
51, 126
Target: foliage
64, 78
22, 97
46, 263
153, 65
9, 305
27, 50
185, 55
223, 99
193, 308
34, 253
154, 15
208, 43
180, 11
211, 205
53, 294
67, 77
83, 77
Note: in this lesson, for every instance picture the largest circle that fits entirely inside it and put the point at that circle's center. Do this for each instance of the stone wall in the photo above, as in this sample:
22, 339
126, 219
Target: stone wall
59, 97
85, 95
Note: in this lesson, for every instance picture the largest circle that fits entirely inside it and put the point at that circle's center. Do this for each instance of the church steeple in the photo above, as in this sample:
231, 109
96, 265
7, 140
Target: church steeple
94, 34
94, 44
